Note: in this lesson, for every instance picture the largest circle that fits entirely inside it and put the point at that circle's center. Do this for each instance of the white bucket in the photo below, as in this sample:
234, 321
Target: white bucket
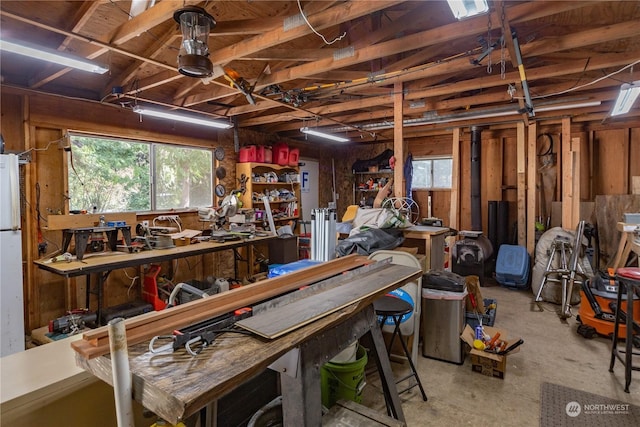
347, 355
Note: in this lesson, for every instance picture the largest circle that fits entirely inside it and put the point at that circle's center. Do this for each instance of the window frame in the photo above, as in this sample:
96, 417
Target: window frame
152, 165
431, 159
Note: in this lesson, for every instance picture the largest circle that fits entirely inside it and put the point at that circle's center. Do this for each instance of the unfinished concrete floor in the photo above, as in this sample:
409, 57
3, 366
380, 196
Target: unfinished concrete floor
552, 352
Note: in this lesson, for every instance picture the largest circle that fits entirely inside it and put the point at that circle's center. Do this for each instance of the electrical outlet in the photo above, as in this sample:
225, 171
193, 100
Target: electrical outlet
145, 223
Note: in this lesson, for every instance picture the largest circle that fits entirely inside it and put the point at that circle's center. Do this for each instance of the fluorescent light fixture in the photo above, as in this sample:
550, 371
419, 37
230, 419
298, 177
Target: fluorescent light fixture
323, 135
467, 8
628, 94
51, 55
182, 118
468, 115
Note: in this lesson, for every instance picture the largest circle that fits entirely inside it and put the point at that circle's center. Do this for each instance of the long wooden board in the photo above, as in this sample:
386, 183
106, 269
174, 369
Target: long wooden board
96, 342
275, 323
64, 222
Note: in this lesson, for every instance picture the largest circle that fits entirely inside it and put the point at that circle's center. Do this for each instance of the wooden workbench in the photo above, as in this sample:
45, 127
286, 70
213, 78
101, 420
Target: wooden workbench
626, 245
175, 385
103, 263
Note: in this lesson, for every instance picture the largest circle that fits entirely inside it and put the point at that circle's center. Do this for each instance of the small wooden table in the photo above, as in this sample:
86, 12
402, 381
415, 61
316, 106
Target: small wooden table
432, 246
627, 244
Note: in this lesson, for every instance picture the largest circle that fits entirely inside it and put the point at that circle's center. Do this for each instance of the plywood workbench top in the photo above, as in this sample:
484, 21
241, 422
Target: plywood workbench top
35, 377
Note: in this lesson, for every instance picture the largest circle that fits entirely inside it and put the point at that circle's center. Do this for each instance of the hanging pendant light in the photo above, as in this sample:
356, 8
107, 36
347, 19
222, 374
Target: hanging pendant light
195, 23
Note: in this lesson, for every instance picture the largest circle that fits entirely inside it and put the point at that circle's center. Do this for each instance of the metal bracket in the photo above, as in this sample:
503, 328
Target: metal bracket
288, 363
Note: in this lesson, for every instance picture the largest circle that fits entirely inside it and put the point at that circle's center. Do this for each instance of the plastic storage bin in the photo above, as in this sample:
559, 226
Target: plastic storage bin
442, 323
488, 319
512, 266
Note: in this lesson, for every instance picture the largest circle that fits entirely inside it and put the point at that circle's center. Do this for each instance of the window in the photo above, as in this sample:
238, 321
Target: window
432, 173
111, 175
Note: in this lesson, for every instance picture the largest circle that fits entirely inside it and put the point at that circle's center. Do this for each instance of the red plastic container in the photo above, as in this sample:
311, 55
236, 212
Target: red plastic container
260, 154
281, 154
268, 155
247, 154
294, 156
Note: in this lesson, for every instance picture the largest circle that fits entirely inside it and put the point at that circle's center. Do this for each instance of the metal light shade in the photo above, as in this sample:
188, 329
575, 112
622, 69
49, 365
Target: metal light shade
195, 23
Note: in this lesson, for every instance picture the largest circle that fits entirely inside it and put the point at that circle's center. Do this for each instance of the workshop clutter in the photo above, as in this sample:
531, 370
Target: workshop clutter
489, 349
279, 154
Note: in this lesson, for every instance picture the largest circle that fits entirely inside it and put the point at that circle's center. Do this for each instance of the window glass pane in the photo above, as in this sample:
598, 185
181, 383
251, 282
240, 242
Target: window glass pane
183, 177
110, 175
421, 174
442, 173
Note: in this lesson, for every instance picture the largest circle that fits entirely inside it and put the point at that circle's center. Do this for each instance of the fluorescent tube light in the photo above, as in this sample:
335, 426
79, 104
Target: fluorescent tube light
467, 8
323, 135
628, 94
182, 118
51, 55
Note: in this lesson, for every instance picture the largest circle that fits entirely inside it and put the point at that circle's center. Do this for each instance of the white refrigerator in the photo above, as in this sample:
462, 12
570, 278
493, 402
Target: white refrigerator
11, 293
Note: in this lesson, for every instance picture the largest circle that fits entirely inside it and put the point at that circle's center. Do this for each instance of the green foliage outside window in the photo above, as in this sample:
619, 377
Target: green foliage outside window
113, 175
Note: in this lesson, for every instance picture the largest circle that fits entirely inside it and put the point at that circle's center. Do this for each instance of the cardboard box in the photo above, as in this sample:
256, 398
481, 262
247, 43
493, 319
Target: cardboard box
486, 363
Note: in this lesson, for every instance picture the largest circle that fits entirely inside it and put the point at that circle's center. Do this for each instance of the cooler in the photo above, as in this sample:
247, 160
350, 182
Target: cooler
512, 266
443, 311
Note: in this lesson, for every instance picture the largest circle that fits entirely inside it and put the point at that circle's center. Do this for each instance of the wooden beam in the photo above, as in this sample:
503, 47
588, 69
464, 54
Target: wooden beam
443, 34
532, 191
319, 21
521, 183
96, 342
575, 187
81, 17
455, 180
566, 181
399, 146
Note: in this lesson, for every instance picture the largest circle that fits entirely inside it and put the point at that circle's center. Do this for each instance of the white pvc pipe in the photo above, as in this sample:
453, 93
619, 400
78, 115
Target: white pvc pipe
122, 388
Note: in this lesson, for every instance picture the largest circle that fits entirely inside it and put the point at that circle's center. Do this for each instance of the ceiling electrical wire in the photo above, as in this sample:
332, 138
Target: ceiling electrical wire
574, 88
316, 32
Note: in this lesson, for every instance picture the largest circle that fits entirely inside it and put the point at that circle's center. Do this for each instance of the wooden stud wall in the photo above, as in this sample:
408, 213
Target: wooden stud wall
31, 121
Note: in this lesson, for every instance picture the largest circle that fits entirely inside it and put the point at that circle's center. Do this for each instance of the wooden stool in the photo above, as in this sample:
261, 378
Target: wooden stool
395, 308
629, 279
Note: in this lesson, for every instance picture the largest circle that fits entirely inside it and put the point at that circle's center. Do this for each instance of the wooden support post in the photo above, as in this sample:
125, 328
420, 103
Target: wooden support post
521, 183
399, 148
454, 208
575, 187
566, 182
532, 191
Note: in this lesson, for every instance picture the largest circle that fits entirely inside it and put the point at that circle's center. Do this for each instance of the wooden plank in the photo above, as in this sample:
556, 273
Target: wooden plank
635, 185
275, 323
575, 190
532, 175
455, 180
521, 184
63, 222
399, 145
567, 176
96, 343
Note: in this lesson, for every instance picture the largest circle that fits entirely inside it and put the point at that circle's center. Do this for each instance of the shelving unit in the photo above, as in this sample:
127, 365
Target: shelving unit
262, 181
366, 193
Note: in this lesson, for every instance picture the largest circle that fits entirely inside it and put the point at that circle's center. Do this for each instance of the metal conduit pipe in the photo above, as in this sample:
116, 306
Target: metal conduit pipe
476, 209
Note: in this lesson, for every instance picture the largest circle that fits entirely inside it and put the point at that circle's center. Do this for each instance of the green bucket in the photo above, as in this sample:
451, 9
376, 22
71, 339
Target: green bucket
343, 380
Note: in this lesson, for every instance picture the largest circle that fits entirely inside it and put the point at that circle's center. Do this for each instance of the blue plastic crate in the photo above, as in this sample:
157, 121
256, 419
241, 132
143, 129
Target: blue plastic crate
487, 319
512, 267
